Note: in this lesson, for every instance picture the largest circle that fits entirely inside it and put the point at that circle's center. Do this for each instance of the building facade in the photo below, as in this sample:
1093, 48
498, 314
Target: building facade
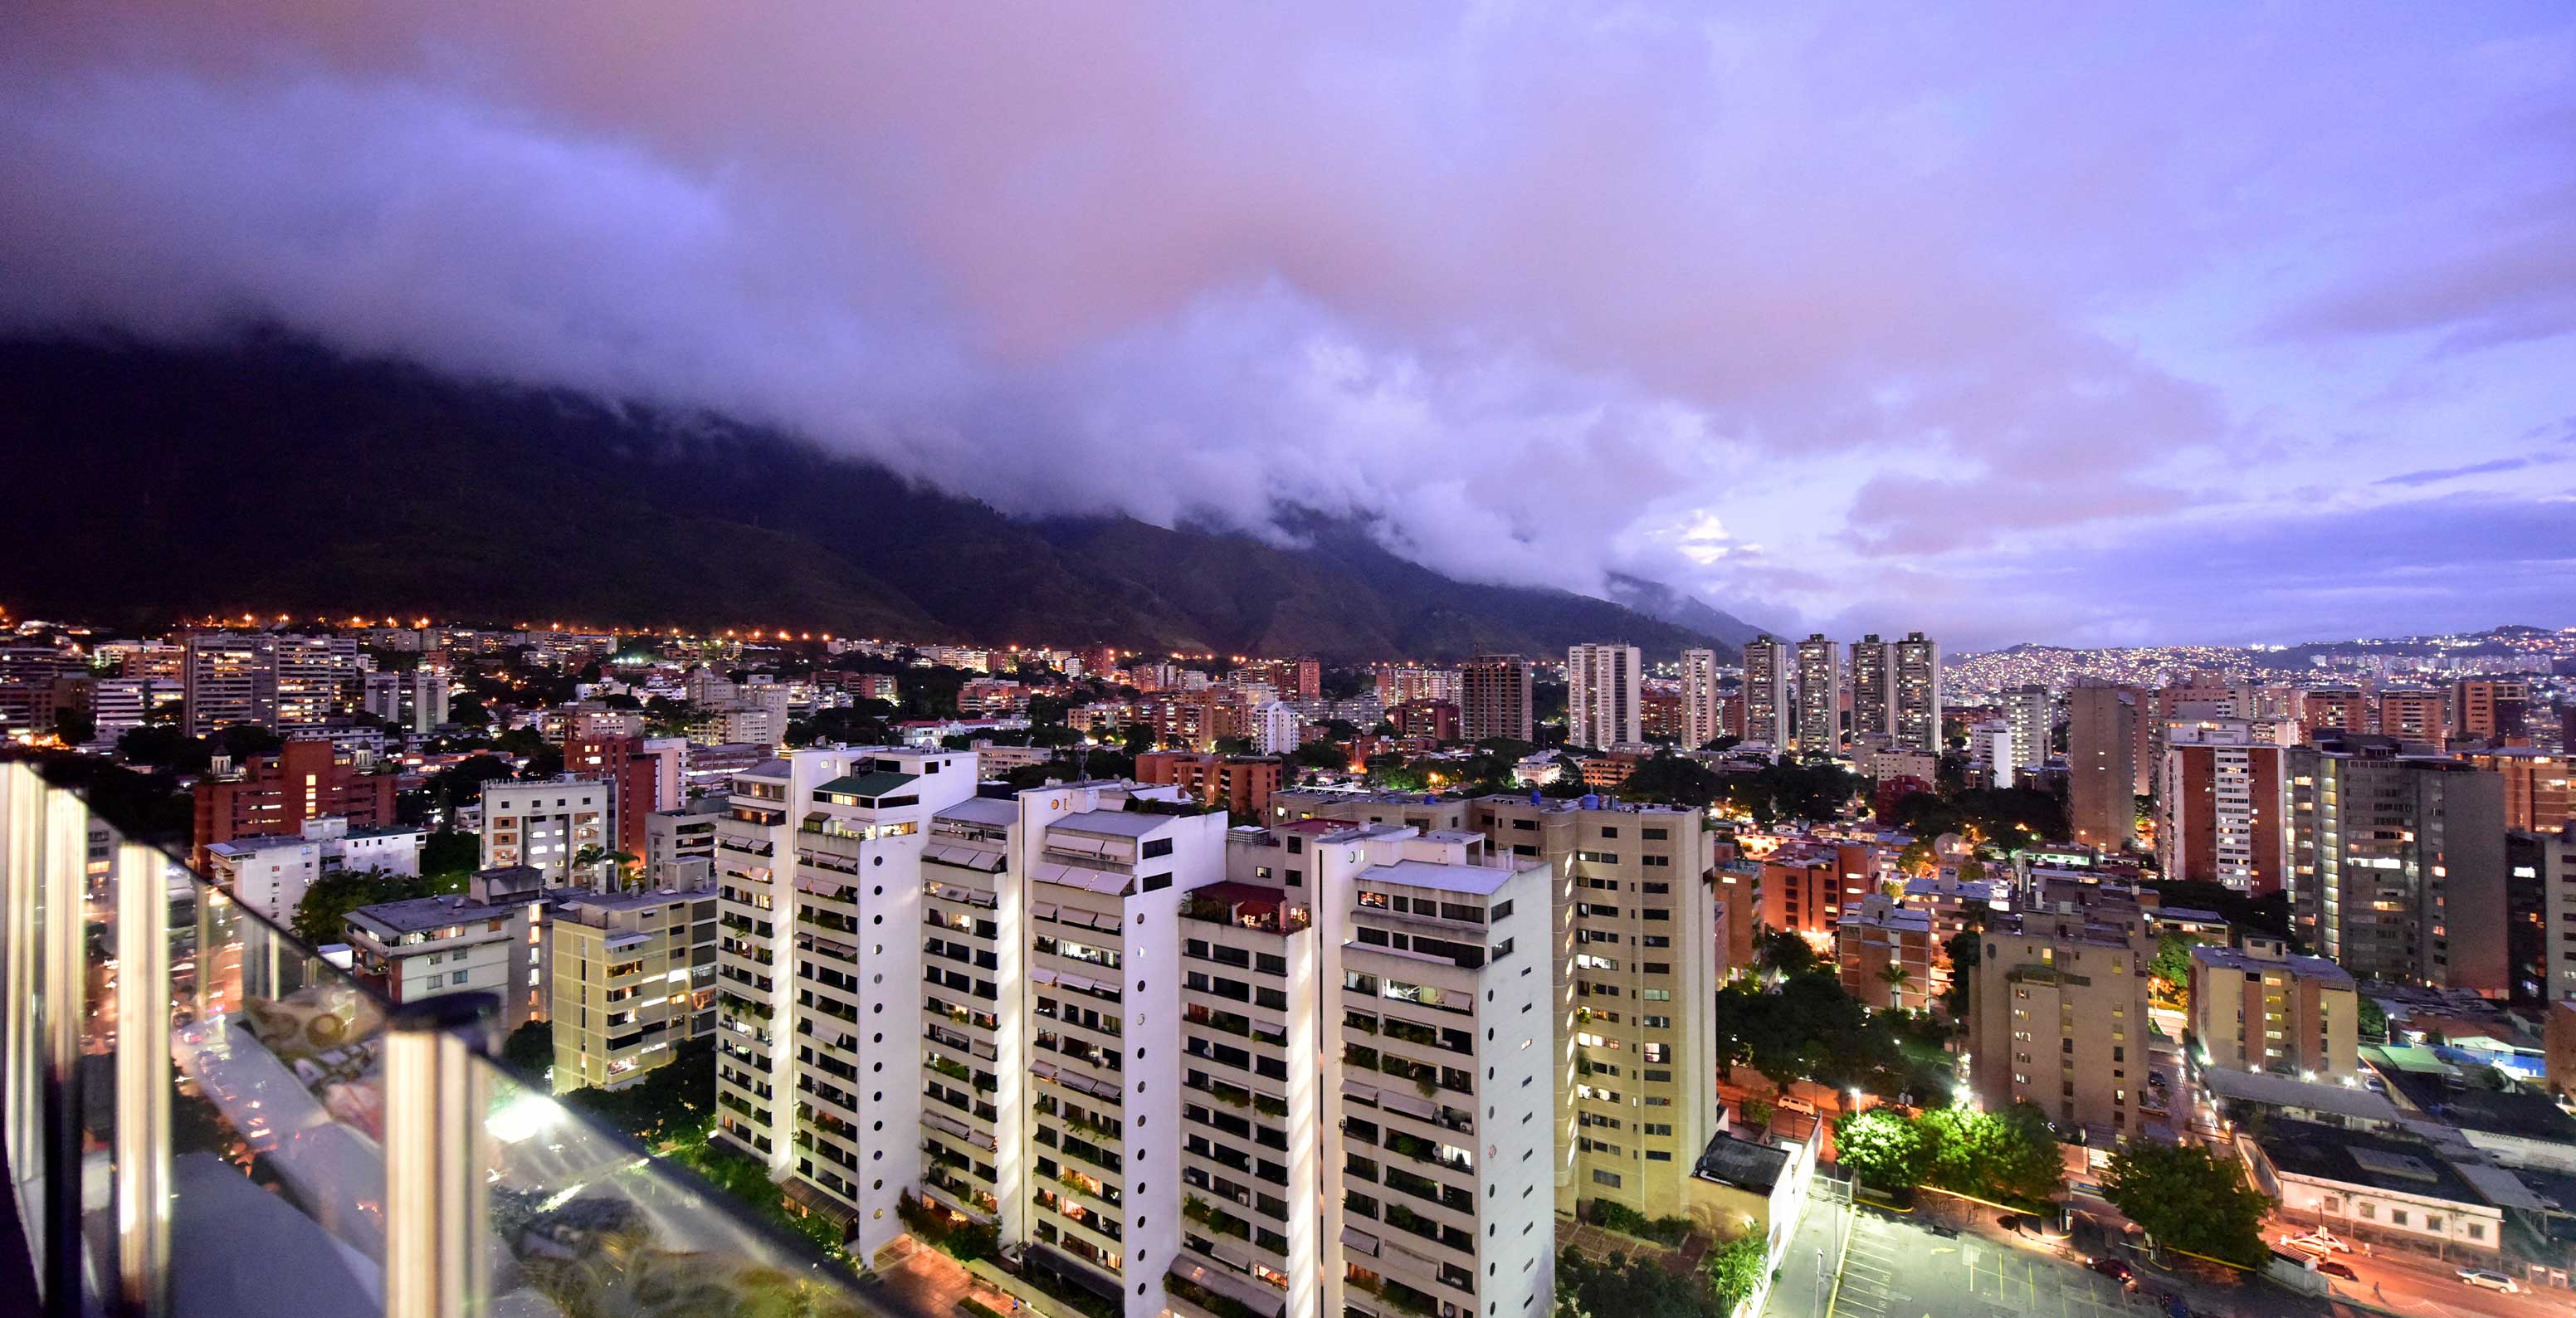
2395, 847
1769, 716
630, 977
1820, 696
1918, 693
1702, 720
1602, 705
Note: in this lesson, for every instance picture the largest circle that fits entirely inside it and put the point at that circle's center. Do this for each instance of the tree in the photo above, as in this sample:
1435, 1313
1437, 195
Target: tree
323, 915
448, 858
1786, 953
2009, 1155
1735, 1270
1897, 977
530, 1048
2370, 1020
1966, 949
2170, 972
1629, 1286
1322, 755
75, 727
1883, 1147
2189, 1199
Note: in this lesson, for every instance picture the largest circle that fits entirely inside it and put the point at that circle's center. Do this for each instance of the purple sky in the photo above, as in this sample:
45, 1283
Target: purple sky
2036, 322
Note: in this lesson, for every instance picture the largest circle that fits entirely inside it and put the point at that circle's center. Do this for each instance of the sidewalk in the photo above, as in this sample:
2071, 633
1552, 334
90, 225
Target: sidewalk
1804, 1289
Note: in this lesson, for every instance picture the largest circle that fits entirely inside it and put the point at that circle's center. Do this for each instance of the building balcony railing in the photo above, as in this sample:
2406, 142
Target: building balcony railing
202, 1116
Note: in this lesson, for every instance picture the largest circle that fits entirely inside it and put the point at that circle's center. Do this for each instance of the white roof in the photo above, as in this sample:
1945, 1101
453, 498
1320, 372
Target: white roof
1113, 823
1479, 880
982, 810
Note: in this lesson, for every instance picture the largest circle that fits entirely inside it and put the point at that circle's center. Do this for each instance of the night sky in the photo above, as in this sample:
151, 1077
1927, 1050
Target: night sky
2014, 322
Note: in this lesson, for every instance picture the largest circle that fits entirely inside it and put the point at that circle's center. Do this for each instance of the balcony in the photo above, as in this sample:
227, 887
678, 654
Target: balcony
202, 1117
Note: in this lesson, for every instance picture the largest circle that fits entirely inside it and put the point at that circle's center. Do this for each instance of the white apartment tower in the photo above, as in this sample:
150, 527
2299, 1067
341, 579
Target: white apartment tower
1603, 699
543, 825
1820, 696
230, 677
1918, 693
1873, 687
1769, 718
2032, 714
1700, 724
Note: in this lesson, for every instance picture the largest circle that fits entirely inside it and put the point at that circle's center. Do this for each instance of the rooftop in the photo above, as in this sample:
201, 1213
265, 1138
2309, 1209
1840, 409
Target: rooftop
1112, 823
419, 914
992, 812
2268, 1090
578, 900
2337, 1153
1480, 880
1742, 1163
2305, 967
867, 786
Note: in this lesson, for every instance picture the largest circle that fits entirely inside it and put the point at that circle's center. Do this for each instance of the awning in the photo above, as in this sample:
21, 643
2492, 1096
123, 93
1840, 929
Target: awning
1041, 975
1360, 1093
1243, 1290
1360, 1240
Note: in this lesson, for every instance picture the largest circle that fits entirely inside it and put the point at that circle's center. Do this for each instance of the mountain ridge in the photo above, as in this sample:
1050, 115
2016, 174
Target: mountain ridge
271, 475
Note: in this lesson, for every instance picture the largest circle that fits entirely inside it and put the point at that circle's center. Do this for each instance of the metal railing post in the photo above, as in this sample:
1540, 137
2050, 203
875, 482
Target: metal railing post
61, 922
434, 1102
143, 1078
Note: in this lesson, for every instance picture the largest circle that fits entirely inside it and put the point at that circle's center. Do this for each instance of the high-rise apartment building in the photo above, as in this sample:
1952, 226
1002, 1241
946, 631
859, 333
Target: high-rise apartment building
2537, 796
2257, 1008
2333, 710
2489, 710
544, 825
1602, 705
631, 976
1494, 698
1873, 687
2102, 732
2059, 1019
2558, 908
1702, 722
429, 699
1885, 954
2398, 867
380, 694
1636, 938
1769, 717
2419, 716
1918, 693
2032, 713
317, 678
231, 677
2223, 815
820, 975
1396, 686
1820, 696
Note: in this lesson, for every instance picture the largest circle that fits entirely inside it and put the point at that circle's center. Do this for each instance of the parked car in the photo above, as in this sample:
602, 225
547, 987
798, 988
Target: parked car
2319, 1242
2334, 1269
2494, 1281
2175, 1308
2115, 1269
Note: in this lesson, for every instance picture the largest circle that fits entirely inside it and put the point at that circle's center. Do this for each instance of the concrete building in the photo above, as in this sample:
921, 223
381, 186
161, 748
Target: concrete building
1239, 784
543, 825
1873, 688
2256, 1008
230, 677
429, 699
1603, 684
1404, 684
1991, 747
2059, 1019
1636, 933
2032, 713
2395, 847
119, 705
821, 904
380, 694
2489, 710
1888, 955
2537, 798
2558, 904
1820, 696
1440, 1001
270, 874
2386, 1189
492, 937
317, 677
676, 837
1918, 692
1702, 721
630, 976
2102, 731
275, 795
2332, 710
633, 776
2413, 715
2223, 815
1770, 718
1434, 721
1276, 729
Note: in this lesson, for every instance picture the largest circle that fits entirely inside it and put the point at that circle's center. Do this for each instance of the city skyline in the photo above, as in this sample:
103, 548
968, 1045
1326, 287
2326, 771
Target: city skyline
1811, 316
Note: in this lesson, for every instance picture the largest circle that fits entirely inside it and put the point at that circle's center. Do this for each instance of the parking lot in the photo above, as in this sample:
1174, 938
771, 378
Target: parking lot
1895, 1268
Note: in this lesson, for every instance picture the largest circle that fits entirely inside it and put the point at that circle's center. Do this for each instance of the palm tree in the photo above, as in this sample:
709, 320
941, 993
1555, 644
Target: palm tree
1897, 978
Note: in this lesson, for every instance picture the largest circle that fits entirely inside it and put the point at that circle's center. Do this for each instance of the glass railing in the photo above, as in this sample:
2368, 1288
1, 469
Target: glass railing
204, 1117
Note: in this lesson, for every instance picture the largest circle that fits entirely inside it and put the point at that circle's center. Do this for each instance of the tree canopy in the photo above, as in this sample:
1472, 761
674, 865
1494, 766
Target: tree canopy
2009, 1156
1631, 1286
2189, 1199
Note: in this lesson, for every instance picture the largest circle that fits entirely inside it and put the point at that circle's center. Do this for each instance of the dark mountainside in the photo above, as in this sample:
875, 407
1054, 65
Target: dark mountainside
276, 477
